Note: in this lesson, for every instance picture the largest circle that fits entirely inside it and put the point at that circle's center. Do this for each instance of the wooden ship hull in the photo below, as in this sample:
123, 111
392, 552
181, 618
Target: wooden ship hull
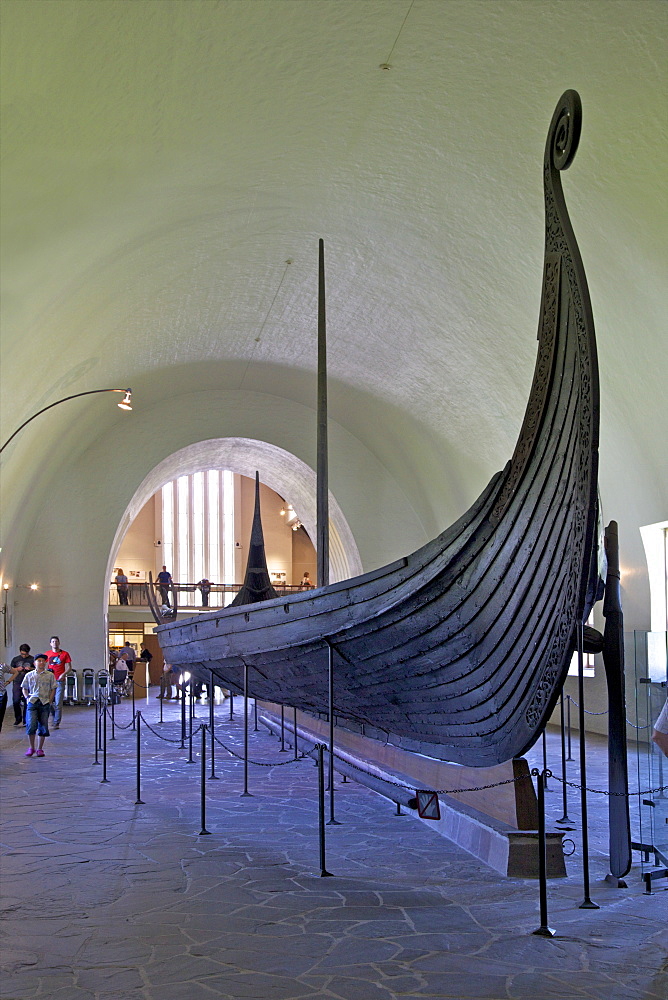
459, 650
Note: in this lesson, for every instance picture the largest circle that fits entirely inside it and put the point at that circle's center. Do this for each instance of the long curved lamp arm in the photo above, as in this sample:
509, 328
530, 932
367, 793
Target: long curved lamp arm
90, 392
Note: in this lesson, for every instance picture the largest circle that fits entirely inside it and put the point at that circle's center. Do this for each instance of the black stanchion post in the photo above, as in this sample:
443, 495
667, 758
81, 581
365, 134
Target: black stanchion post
190, 723
202, 787
545, 788
231, 706
99, 721
256, 728
213, 776
321, 809
330, 672
132, 682
245, 791
97, 741
113, 717
294, 727
544, 930
282, 750
105, 780
568, 699
564, 791
182, 687
587, 903
161, 699
138, 801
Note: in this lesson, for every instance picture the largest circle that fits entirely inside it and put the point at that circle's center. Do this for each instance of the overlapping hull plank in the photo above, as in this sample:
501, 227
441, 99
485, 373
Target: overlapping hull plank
460, 649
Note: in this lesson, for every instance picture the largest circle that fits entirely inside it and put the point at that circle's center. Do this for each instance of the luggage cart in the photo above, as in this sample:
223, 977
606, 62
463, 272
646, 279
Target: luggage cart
102, 683
87, 686
71, 689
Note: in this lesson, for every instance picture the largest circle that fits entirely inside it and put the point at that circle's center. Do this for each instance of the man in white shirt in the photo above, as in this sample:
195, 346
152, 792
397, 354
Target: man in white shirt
39, 688
660, 734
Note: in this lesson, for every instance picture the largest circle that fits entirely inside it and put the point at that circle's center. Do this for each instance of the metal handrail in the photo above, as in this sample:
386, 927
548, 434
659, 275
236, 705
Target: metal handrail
136, 594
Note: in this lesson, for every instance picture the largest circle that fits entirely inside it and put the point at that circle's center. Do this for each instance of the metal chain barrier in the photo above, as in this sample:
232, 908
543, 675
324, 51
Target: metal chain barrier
264, 763
602, 791
574, 702
166, 739
497, 784
628, 721
117, 725
439, 791
399, 784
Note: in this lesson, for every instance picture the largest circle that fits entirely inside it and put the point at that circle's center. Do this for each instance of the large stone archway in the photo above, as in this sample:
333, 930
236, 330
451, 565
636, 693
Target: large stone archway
279, 469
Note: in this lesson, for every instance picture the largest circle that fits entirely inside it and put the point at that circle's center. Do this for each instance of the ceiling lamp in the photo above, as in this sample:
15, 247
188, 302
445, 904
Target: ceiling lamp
126, 402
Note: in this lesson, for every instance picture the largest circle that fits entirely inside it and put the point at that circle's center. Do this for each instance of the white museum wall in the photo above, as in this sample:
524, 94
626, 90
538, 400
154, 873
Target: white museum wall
69, 546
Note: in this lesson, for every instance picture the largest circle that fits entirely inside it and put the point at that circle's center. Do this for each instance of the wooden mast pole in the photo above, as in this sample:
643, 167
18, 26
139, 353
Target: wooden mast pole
322, 516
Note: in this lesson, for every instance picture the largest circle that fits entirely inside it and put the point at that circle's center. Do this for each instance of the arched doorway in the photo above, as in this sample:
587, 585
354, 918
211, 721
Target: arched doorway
279, 470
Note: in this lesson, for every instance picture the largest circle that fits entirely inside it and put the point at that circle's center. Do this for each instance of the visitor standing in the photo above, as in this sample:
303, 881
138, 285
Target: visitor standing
306, 582
129, 653
164, 581
39, 688
122, 587
60, 662
24, 663
7, 674
205, 588
146, 655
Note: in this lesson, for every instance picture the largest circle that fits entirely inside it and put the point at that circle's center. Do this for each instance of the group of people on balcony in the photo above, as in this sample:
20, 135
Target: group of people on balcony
164, 582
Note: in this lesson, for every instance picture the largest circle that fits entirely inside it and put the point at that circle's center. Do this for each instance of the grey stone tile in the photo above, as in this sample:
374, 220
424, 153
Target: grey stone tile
353, 989
557, 987
465, 986
137, 899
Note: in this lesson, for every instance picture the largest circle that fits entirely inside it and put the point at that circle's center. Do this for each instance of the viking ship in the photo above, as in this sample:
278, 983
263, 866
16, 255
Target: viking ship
460, 649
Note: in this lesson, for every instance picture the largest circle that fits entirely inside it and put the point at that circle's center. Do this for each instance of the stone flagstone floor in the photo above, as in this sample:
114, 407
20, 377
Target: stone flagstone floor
103, 899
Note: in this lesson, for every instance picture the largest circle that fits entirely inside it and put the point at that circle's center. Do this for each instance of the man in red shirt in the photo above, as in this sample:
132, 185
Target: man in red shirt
60, 662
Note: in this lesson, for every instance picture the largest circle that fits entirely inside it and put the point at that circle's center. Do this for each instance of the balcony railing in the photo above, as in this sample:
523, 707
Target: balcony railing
189, 595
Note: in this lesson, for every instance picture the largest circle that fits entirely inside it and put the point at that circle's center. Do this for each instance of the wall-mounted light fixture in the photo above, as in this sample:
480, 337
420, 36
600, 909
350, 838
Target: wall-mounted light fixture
125, 404
5, 588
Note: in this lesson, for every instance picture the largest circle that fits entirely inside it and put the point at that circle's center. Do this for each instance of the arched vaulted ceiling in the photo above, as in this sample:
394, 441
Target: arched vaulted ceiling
162, 163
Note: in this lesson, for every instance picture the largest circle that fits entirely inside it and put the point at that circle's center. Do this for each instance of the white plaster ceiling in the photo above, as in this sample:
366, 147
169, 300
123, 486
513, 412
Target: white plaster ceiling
163, 160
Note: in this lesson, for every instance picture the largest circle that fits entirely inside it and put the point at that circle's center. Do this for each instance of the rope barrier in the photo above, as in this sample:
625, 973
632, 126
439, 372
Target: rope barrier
263, 763
399, 784
117, 725
166, 739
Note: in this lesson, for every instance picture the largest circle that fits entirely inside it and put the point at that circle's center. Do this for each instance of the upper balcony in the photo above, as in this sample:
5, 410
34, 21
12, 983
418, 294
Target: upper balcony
190, 600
